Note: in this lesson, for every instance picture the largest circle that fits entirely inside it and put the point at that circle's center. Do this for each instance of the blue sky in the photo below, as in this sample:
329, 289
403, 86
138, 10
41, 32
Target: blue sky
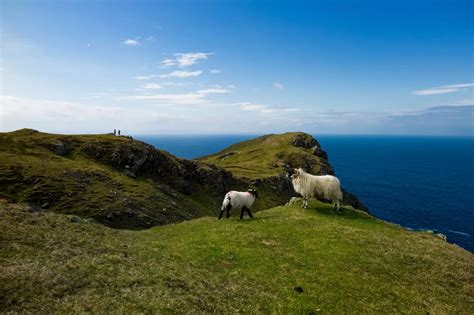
155, 67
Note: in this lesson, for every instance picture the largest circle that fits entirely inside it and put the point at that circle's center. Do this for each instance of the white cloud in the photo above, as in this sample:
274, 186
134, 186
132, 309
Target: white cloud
181, 74
195, 98
153, 86
131, 42
64, 116
96, 95
278, 85
444, 89
263, 109
462, 85
435, 91
186, 59
146, 77
215, 71
467, 101
178, 99
212, 91
169, 62
141, 118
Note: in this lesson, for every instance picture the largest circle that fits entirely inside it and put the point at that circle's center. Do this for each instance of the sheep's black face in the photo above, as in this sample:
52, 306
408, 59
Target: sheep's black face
291, 172
253, 192
294, 173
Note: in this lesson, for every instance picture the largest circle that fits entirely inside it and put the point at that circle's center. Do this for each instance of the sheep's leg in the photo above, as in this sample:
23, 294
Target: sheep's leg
229, 206
220, 215
242, 213
249, 213
337, 205
305, 203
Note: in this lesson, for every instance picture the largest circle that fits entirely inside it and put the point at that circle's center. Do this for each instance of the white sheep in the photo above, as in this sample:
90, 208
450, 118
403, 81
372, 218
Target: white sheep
238, 200
312, 186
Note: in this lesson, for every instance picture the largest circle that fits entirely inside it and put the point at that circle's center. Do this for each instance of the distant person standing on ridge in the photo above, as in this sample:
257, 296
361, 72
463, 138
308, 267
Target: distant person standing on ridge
115, 132
119, 132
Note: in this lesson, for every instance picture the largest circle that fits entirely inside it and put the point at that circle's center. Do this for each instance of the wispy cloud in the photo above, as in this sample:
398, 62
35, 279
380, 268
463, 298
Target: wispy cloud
181, 74
213, 91
146, 77
185, 60
278, 85
153, 86
131, 42
215, 71
65, 116
466, 101
265, 109
444, 89
254, 107
195, 98
96, 95
178, 99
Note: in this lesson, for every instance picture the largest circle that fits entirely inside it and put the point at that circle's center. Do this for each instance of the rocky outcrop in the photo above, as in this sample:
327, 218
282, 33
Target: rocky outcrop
58, 147
137, 159
303, 140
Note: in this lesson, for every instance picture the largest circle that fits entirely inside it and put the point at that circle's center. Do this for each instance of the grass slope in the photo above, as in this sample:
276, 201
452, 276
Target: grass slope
266, 156
345, 262
85, 181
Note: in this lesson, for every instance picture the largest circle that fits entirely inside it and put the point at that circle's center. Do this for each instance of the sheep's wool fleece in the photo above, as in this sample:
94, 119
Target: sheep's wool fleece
239, 199
311, 186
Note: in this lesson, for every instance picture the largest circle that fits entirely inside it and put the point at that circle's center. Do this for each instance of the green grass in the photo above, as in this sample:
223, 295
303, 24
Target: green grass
264, 156
345, 262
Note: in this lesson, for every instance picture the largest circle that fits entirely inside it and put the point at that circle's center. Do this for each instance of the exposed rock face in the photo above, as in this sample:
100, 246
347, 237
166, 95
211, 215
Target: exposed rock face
320, 152
304, 141
352, 200
138, 158
59, 147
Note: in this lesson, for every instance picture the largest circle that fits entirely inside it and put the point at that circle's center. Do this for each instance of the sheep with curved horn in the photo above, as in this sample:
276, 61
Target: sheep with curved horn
312, 186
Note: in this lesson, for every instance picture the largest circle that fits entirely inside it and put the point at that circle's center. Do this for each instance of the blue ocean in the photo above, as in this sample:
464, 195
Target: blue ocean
421, 183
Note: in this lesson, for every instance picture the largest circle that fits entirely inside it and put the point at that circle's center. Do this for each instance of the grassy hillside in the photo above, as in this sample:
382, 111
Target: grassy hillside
345, 262
126, 183
266, 160
270, 155
115, 180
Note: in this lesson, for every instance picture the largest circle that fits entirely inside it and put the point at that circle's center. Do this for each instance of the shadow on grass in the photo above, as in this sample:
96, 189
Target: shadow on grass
344, 212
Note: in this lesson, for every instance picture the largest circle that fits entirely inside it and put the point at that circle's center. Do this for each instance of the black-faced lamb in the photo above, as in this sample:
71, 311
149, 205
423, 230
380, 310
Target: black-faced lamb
242, 200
